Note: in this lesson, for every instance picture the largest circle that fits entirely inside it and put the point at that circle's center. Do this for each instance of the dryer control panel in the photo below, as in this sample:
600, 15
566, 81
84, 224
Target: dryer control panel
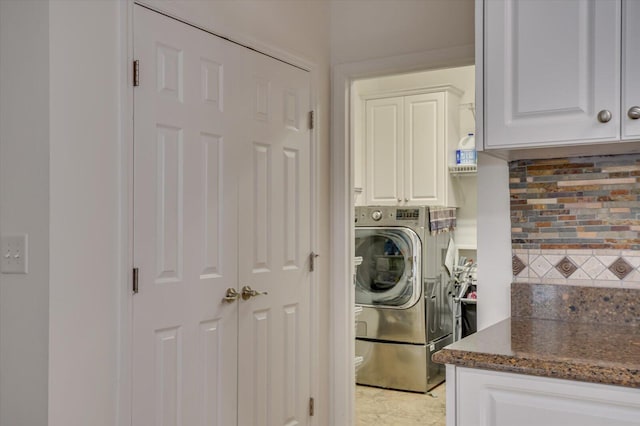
407, 214
412, 217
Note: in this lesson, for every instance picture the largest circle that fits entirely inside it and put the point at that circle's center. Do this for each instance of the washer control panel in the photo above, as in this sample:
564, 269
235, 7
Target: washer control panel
407, 214
390, 216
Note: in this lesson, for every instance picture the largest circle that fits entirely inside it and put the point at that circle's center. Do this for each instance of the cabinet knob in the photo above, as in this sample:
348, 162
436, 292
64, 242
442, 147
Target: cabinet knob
604, 116
634, 112
406, 200
399, 199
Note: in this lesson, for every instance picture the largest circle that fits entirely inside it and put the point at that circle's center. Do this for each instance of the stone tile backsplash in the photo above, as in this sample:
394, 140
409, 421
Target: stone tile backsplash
576, 220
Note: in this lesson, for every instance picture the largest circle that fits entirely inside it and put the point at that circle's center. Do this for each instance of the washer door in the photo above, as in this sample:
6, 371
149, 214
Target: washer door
388, 276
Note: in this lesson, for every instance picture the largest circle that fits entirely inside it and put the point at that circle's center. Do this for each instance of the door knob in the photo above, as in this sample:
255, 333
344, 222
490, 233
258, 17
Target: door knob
231, 295
634, 112
248, 293
604, 116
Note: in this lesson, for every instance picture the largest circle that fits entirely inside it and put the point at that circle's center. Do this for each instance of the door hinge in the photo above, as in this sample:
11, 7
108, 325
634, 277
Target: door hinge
136, 73
312, 261
311, 120
135, 280
312, 407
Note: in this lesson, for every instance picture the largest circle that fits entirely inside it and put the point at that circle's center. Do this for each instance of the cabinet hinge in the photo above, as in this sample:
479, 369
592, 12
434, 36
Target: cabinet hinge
312, 261
136, 73
311, 120
135, 280
312, 407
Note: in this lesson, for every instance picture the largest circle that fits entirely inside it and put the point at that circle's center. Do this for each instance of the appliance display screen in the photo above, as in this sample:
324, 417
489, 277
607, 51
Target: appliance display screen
407, 214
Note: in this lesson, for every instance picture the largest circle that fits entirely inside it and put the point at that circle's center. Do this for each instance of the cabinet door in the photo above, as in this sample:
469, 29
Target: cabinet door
384, 135
550, 68
425, 159
630, 68
490, 398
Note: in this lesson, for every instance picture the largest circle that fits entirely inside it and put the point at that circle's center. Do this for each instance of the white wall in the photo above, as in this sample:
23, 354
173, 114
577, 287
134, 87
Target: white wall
362, 30
84, 191
24, 208
494, 241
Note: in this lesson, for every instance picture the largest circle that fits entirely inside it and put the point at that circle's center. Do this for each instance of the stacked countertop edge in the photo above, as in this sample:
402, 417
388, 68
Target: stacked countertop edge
587, 334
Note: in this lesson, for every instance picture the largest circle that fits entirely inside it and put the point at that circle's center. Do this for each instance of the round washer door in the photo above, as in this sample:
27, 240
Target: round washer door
388, 275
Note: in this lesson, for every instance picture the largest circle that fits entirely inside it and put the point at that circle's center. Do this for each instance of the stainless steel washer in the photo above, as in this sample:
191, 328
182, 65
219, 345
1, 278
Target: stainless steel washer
404, 292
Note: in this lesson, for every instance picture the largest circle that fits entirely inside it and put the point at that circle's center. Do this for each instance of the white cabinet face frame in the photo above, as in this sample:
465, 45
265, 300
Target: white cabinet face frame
630, 68
549, 69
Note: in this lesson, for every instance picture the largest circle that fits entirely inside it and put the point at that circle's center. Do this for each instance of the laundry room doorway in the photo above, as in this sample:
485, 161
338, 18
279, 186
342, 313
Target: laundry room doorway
395, 120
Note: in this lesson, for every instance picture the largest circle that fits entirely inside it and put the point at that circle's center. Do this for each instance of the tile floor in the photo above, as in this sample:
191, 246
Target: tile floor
384, 407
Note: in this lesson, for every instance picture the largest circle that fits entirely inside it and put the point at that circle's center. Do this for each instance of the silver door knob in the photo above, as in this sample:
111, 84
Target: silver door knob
231, 295
634, 112
604, 116
248, 293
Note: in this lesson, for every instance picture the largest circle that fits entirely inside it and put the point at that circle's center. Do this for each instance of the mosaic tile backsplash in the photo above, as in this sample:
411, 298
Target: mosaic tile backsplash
576, 220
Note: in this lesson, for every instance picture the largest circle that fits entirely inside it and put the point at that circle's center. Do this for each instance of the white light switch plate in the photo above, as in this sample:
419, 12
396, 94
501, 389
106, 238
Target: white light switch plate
13, 254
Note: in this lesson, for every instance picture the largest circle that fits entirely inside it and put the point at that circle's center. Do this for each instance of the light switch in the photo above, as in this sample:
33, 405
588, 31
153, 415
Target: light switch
13, 254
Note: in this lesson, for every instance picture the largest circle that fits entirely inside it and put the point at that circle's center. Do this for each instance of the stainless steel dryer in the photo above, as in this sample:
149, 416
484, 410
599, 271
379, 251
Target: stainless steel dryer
404, 291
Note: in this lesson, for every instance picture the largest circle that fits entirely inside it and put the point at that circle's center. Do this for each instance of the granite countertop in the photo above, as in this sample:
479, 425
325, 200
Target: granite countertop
597, 352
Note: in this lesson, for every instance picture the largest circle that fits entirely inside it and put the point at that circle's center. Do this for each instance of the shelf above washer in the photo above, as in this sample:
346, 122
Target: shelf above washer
463, 170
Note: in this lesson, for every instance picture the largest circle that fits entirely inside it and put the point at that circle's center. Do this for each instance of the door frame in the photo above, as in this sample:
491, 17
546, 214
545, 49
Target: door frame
342, 339
124, 382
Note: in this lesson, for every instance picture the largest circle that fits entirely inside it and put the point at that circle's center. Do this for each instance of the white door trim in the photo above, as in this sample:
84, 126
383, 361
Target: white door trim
125, 300
342, 385
125, 297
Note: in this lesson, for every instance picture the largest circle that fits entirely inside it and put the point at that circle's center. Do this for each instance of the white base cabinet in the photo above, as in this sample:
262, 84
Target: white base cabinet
488, 398
410, 141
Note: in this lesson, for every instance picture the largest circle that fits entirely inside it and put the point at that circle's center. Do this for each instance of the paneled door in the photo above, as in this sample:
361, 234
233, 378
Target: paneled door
274, 225
221, 201
425, 156
552, 72
384, 136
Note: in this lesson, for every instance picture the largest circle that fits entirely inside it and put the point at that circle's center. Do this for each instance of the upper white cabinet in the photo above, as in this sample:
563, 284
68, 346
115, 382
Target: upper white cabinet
560, 72
409, 143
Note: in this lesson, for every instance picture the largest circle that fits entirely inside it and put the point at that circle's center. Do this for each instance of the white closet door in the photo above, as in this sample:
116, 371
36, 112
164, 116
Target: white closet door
274, 225
550, 68
384, 151
185, 225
